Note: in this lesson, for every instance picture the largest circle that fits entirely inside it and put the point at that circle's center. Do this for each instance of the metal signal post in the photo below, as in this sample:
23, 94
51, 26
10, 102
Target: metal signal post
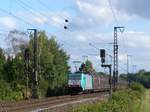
115, 67
102, 56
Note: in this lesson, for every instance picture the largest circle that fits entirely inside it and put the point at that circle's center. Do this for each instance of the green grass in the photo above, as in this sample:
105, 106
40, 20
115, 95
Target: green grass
145, 105
136, 106
124, 100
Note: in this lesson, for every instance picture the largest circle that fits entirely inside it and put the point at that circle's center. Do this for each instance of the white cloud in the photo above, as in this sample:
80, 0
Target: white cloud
134, 7
138, 40
122, 57
96, 13
42, 18
137, 43
81, 38
134, 32
8, 22
94, 10
91, 22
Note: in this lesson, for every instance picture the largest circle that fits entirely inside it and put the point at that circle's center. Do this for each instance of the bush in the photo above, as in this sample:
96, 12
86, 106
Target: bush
7, 94
137, 87
4, 91
43, 86
119, 102
122, 101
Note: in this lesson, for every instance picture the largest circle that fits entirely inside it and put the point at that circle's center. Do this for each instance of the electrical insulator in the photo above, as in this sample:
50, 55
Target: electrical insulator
65, 27
66, 20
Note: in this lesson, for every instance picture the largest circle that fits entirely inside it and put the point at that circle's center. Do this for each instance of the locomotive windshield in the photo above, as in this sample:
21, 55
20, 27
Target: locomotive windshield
74, 76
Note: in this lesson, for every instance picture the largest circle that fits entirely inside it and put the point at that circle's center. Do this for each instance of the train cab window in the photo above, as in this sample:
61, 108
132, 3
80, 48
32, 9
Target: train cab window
74, 77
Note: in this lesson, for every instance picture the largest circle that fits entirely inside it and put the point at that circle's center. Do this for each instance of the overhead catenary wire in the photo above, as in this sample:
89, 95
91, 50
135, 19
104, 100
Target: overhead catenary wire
32, 10
113, 13
46, 24
35, 12
21, 19
43, 4
29, 9
33, 25
13, 15
117, 23
124, 44
46, 7
24, 6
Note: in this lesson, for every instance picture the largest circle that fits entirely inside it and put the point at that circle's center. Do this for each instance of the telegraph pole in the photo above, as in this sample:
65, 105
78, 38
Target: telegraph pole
133, 68
128, 63
115, 70
35, 65
128, 66
26, 59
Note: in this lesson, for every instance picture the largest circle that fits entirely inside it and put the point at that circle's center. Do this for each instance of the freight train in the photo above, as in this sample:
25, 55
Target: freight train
83, 82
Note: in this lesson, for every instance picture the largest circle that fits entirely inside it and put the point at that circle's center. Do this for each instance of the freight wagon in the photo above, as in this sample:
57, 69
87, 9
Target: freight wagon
82, 82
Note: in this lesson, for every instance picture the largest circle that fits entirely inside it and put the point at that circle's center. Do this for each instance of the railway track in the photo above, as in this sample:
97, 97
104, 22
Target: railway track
37, 105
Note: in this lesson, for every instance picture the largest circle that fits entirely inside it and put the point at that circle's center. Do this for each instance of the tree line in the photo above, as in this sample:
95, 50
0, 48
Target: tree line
17, 80
141, 76
53, 69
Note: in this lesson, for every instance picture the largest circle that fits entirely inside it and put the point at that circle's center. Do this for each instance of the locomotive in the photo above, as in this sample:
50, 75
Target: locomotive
87, 82
80, 82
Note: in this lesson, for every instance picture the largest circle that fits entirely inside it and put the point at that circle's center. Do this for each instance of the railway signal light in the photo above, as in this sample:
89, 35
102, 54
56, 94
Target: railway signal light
102, 55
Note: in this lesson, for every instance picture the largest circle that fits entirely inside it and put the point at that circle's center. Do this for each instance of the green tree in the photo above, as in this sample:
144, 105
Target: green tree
2, 62
87, 67
142, 77
52, 68
14, 70
53, 64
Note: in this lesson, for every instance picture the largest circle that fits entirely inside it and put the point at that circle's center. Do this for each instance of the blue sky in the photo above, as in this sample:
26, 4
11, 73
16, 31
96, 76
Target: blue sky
90, 21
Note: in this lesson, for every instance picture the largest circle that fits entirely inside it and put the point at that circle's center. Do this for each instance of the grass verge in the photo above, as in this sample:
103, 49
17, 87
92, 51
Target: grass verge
124, 100
145, 103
